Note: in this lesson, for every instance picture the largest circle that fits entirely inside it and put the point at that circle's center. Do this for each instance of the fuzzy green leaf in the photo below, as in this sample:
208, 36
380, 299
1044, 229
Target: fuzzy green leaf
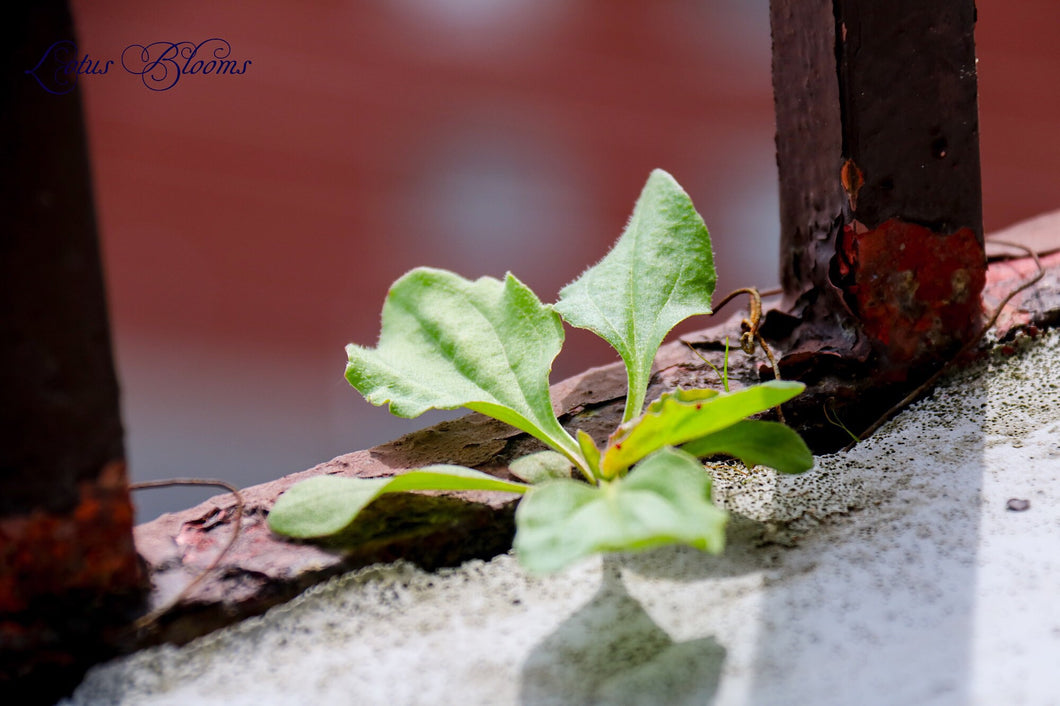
448, 342
325, 505
681, 416
665, 500
660, 272
541, 466
757, 443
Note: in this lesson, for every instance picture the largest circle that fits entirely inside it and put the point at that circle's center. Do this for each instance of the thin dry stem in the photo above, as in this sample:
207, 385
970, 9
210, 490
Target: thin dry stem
750, 326
153, 616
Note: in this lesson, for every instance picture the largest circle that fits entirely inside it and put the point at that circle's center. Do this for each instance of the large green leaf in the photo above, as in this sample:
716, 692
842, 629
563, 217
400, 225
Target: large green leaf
757, 443
659, 273
447, 342
665, 500
325, 505
681, 416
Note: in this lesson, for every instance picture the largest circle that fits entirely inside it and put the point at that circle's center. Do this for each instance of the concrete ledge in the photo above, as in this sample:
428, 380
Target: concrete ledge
902, 572
263, 570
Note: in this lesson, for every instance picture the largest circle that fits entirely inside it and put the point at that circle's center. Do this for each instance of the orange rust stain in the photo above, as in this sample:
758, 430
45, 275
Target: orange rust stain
89, 549
916, 292
852, 179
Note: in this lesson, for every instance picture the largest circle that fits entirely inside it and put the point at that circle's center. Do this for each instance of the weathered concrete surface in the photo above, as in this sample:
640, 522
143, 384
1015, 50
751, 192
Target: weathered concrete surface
263, 570
894, 574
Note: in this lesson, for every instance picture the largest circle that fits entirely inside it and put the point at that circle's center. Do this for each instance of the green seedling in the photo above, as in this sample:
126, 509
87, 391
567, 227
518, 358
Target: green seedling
488, 346
722, 374
832, 418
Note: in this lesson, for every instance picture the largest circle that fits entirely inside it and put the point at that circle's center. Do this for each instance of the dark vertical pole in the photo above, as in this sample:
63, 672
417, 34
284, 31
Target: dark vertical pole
68, 568
878, 152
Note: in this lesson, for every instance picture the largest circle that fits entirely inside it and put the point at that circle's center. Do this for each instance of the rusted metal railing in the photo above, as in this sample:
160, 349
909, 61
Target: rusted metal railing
882, 258
69, 574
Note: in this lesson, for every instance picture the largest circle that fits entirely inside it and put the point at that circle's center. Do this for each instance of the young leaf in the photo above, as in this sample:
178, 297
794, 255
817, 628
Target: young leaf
681, 416
325, 505
757, 443
447, 342
541, 466
590, 452
660, 272
665, 500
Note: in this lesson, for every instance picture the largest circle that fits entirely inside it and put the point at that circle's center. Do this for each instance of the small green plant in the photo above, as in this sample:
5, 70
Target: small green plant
488, 345
722, 374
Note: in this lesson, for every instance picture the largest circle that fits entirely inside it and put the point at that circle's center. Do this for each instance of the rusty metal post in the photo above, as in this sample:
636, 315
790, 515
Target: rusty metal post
878, 151
69, 574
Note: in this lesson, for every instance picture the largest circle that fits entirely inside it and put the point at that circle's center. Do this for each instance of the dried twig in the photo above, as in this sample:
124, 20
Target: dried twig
750, 326
151, 617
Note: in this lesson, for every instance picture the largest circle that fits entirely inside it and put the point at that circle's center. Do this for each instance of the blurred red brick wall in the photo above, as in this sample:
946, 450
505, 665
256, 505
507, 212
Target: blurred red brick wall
252, 223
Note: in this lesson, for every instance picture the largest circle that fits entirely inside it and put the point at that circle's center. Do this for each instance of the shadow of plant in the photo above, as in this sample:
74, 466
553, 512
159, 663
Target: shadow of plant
611, 652
748, 549
430, 531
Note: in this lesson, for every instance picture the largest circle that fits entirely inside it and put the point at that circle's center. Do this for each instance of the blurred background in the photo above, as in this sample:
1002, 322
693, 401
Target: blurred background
252, 223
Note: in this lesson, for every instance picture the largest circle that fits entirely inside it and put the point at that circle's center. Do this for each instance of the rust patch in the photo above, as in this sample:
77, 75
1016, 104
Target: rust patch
912, 289
89, 549
852, 179
69, 584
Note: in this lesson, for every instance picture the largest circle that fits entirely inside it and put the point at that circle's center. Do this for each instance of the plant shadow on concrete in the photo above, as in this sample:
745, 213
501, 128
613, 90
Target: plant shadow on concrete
878, 546
611, 652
